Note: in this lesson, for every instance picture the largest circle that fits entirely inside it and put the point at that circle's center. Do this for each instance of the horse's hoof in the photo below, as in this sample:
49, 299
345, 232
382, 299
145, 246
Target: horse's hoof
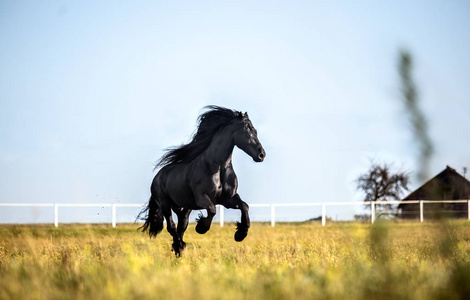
201, 228
178, 248
240, 235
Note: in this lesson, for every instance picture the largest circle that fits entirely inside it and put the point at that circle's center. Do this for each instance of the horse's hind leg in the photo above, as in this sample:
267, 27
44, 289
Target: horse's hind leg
183, 221
171, 227
242, 228
178, 244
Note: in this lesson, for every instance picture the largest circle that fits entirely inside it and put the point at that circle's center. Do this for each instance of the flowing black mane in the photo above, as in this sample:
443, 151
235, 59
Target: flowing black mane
208, 124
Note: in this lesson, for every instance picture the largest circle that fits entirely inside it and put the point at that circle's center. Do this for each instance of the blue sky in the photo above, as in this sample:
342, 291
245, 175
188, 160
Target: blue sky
91, 93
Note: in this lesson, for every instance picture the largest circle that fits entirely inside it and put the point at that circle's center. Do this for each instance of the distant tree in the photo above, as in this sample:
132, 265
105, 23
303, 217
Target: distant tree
381, 184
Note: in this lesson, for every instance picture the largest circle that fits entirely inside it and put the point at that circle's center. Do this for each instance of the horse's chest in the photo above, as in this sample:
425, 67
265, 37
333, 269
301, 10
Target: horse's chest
224, 184
217, 184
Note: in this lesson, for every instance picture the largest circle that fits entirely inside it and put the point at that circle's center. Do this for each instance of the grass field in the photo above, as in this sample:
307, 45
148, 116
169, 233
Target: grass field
289, 261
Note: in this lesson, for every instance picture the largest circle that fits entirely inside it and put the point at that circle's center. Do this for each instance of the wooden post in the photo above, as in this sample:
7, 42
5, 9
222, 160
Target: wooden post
372, 212
221, 216
468, 208
421, 213
273, 215
113, 217
56, 215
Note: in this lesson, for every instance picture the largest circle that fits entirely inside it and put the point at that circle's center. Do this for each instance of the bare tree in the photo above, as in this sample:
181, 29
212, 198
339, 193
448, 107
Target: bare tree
381, 184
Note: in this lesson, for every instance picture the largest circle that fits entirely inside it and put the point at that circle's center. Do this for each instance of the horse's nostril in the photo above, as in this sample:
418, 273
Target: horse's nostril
261, 154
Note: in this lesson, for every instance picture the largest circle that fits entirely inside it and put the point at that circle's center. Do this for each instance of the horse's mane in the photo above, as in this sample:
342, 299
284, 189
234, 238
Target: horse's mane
208, 124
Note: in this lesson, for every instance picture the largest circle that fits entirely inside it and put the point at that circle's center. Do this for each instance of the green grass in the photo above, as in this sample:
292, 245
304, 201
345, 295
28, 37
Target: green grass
289, 261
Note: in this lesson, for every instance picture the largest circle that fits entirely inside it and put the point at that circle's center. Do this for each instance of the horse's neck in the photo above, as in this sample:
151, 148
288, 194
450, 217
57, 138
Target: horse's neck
219, 152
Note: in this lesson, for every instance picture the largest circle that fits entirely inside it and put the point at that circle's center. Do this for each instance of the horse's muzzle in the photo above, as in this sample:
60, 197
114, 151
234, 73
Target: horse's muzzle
261, 155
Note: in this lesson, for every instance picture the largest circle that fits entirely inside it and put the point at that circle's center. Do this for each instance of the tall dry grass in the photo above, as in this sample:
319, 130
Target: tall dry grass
289, 261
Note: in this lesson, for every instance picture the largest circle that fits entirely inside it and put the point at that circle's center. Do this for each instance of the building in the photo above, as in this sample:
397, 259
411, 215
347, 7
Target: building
447, 185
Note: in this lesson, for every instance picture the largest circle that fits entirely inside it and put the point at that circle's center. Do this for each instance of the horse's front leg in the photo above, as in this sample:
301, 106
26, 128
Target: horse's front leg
204, 223
242, 228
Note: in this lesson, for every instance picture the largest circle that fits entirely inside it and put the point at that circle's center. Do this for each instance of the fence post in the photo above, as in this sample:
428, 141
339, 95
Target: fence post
421, 213
468, 208
323, 215
114, 215
56, 215
273, 215
372, 213
221, 216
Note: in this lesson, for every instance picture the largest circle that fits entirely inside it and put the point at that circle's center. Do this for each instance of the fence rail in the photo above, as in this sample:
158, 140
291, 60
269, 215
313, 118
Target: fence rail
221, 209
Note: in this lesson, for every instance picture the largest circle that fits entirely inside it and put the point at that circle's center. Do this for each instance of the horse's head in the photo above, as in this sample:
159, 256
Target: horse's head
246, 138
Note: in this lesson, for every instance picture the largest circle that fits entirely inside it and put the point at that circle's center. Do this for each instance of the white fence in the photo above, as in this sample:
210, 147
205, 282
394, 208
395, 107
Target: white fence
221, 209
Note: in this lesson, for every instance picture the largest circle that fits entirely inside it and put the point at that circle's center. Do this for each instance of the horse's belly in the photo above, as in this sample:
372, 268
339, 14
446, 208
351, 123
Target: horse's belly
181, 194
177, 188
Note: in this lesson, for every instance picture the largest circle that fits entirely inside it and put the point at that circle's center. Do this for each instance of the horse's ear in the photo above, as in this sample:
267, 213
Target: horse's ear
245, 115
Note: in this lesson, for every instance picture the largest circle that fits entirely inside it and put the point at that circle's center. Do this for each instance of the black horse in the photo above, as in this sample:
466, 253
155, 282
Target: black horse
200, 175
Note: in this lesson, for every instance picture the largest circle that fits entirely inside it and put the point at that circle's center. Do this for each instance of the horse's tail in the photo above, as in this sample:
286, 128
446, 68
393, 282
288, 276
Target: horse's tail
153, 218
